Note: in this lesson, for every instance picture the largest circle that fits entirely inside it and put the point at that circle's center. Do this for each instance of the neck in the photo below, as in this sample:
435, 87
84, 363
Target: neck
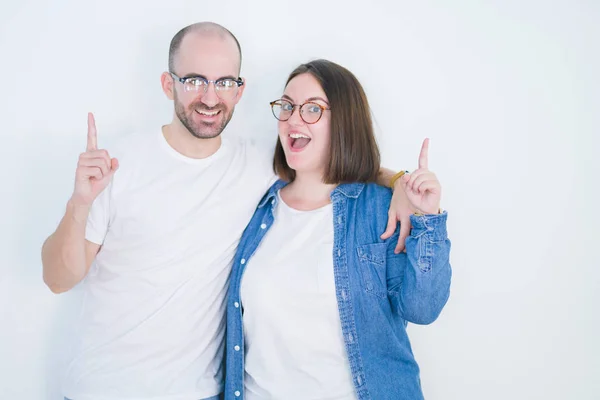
307, 192
180, 139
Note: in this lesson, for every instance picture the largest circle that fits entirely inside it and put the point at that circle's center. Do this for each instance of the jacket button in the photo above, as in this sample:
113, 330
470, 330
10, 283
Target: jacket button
243, 261
263, 226
237, 348
236, 304
237, 393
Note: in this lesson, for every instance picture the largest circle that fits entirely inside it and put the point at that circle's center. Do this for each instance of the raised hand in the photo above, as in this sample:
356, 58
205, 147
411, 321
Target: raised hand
422, 187
95, 168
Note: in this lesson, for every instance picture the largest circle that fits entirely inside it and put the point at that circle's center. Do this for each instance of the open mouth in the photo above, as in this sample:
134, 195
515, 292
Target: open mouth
298, 141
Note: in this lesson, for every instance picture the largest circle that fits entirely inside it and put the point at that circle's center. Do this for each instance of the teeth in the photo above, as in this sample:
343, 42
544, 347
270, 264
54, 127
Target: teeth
212, 114
298, 136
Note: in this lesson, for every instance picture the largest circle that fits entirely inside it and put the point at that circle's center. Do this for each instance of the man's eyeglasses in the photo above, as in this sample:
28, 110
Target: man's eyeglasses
226, 88
310, 112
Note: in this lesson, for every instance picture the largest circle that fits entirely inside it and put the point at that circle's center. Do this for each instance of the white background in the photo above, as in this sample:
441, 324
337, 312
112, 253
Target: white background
507, 91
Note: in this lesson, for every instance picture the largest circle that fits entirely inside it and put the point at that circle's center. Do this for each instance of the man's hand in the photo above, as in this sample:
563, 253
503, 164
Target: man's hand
400, 211
94, 170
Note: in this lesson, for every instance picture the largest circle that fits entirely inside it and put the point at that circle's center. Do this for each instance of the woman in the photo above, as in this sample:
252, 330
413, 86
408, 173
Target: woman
318, 302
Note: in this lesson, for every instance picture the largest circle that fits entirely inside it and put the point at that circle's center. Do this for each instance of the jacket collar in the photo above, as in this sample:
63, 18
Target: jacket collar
351, 190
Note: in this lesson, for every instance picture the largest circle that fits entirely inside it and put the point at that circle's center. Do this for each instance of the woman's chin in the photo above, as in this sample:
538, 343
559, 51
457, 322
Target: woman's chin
294, 162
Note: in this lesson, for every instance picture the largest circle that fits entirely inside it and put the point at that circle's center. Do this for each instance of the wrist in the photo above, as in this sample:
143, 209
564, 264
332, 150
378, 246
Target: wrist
78, 210
436, 211
395, 180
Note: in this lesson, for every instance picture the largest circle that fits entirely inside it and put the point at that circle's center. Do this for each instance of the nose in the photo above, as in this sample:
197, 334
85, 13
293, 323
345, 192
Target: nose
295, 118
210, 98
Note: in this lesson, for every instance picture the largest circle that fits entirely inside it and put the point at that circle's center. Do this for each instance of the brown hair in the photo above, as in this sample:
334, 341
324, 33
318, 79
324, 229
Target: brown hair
353, 153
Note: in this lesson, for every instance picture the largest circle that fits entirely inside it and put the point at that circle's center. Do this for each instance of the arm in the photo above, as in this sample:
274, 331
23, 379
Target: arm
419, 281
385, 176
66, 254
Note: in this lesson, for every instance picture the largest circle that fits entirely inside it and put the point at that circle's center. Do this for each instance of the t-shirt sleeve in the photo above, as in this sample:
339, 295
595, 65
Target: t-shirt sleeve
97, 223
263, 154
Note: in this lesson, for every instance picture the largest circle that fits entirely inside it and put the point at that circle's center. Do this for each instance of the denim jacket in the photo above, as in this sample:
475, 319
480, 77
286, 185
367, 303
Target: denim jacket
378, 292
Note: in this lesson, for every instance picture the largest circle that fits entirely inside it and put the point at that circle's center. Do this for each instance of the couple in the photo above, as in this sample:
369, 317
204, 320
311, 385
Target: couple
320, 293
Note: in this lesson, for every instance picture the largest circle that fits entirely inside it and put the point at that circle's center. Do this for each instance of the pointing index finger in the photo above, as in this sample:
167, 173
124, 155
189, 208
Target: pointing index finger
92, 139
424, 156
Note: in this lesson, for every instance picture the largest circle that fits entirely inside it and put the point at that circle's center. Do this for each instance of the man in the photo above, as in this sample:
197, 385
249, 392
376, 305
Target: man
155, 240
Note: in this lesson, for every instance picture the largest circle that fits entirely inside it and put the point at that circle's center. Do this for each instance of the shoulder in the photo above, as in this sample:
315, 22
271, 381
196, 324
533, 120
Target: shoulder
256, 159
253, 155
370, 201
375, 195
373, 190
251, 148
373, 204
367, 194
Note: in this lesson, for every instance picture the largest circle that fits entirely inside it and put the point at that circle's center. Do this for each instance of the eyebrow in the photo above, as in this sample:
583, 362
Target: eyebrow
195, 75
285, 96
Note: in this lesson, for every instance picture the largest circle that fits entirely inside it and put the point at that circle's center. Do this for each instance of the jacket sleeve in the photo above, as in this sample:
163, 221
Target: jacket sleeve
418, 281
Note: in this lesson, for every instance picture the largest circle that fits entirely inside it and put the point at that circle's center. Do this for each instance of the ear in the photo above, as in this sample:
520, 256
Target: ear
167, 82
240, 90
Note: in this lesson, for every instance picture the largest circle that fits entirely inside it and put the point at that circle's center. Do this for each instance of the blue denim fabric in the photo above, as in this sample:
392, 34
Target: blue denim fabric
378, 292
218, 397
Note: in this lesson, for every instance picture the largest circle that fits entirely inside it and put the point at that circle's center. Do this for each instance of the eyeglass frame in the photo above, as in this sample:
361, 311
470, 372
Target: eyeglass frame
323, 109
239, 81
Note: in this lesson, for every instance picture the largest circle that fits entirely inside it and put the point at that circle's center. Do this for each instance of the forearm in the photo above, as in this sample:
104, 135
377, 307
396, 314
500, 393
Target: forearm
385, 176
426, 285
64, 253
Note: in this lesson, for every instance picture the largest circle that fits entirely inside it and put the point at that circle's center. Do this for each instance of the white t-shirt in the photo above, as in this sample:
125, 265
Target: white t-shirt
292, 330
153, 316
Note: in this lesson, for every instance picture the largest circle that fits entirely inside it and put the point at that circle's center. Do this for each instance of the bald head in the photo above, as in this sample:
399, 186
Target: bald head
203, 29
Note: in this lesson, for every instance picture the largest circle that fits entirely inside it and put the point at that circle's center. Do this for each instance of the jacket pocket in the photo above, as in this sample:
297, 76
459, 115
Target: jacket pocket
372, 265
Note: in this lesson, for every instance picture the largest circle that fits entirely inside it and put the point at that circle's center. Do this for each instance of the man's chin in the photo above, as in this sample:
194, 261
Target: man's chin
206, 132
205, 135
202, 129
